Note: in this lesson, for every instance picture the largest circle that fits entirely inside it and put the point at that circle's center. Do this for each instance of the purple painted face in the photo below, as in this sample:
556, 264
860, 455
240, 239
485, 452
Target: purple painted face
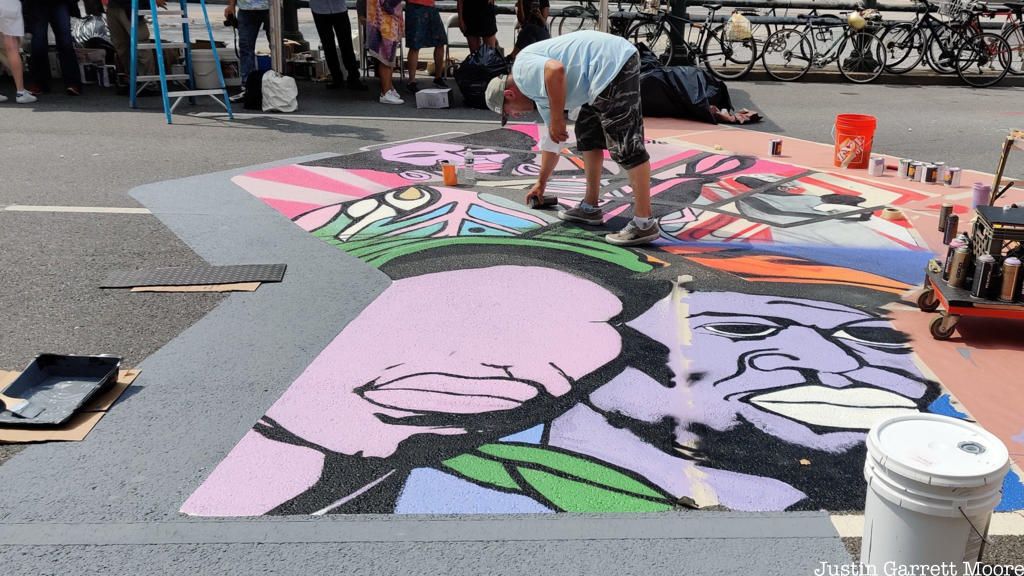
435, 348
428, 154
809, 372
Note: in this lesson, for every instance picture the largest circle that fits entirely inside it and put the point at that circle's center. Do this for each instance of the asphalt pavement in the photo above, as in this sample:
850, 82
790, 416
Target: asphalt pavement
91, 151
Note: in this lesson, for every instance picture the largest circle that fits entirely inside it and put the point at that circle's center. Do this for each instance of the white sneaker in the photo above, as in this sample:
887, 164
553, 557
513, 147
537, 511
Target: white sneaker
3, 98
24, 98
237, 97
391, 97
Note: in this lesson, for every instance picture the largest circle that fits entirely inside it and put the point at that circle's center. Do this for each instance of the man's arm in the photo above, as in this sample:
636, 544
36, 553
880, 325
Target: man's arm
229, 10
554, 85
548, 161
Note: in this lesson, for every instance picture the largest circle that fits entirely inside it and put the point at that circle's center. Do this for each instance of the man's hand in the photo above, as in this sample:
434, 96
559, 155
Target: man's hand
229, 11
161, 3
558, 132
537, 190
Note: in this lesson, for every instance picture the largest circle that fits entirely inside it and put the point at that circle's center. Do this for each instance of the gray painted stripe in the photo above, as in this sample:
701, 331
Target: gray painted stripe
711, 526
77, 209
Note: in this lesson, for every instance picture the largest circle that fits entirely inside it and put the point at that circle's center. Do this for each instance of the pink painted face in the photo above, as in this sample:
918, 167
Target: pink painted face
428, 154
436, 353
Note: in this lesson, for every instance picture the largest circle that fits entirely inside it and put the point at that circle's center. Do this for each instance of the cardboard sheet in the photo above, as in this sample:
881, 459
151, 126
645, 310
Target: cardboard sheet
238, 287
79, 426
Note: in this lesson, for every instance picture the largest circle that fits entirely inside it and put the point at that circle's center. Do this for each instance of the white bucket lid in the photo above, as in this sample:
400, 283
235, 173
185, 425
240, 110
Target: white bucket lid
939, 450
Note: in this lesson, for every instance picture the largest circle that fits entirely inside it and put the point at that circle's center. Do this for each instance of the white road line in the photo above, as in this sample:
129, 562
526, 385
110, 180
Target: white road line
1003, 524
76, 209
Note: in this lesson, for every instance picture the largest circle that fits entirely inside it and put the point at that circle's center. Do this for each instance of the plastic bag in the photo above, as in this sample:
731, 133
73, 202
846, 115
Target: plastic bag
738, 28
476, 71
280, 94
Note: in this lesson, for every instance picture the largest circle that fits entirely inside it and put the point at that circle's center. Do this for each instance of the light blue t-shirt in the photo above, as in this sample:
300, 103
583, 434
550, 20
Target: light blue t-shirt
591, 60
254, 4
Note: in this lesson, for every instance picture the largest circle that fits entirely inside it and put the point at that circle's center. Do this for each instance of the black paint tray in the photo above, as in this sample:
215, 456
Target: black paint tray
60, 384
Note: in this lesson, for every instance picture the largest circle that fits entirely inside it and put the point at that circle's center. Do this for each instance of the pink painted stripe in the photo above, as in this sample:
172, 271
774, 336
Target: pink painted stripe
299, 176
288, 208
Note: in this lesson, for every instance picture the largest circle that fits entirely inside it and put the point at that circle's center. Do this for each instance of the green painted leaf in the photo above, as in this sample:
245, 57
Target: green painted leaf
574, 466
572, 496
483, 470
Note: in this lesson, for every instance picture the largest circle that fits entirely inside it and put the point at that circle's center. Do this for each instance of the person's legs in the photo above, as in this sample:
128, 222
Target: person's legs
120, 36
249, 23
438, 62
412, 57
384, 73
619, 109
39, 59
325, 29
474, 43
343, 28
593, 166
60, 22
12, 48
590, 140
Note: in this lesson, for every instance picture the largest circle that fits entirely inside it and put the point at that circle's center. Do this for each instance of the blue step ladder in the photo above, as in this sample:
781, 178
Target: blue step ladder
138, 82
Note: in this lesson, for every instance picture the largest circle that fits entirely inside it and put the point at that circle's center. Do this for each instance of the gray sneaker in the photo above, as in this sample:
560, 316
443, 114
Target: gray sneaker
594, 217
633, 235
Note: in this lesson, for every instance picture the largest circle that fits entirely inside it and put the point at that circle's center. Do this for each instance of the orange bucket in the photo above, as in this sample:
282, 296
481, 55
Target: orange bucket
853, 134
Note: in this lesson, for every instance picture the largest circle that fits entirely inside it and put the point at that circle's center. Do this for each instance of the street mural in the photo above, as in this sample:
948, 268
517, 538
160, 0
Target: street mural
518, 364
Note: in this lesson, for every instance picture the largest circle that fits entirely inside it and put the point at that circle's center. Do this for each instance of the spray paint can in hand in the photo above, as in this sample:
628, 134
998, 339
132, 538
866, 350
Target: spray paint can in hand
469, 168
958, 269
984, 283
952, 223
1011, 280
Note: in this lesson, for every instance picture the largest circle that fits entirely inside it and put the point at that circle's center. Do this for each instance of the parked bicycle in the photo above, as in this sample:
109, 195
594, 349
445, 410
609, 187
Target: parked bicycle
585, 16
668, 36
908, 43
790, 53
1013, 32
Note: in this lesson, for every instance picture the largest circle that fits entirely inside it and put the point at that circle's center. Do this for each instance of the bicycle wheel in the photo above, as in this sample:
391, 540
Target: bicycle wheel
861, 57
728, 59
983, 60
576, 18
787, 55
904, 47
654, 35
1015, 38
941, 51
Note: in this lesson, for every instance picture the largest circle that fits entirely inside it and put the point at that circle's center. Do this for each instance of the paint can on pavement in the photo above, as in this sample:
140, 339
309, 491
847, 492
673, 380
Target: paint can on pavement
904, 166
952, 177
933, 482
876, 166
776, 147
944, 213
931, 174
942, 171
912, 170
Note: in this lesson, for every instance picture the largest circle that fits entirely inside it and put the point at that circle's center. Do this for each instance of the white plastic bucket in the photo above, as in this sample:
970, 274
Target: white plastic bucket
205, 74
933, 482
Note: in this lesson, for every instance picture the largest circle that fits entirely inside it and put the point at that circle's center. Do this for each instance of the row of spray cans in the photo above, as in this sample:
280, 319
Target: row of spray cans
929, 173
983, 276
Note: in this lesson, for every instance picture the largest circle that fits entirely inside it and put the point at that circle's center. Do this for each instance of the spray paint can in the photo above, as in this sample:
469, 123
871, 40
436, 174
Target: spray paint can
947, 264
952, 223
984, 283
931, 174
876, 166
942, 171
958, 269
904, 166
919, 175
469, 168
1011, 280
912, 170
944, 213
952, 177
776, 147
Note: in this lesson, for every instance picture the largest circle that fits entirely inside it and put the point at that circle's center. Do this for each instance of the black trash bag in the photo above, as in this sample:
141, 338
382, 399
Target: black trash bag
476, 71
684, 92
254, 91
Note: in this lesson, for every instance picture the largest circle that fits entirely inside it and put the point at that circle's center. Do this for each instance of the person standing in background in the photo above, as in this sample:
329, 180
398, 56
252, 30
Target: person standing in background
119, 22
383, 33
534, 29
330, 17
252, 15
12, 28
55, 14
478, 23
424, 29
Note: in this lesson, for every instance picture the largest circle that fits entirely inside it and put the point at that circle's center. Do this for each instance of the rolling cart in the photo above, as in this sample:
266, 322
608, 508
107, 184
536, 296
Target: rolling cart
997, 232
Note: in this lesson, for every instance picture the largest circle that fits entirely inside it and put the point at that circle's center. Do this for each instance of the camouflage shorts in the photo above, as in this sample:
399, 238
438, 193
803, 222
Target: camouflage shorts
614, 121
